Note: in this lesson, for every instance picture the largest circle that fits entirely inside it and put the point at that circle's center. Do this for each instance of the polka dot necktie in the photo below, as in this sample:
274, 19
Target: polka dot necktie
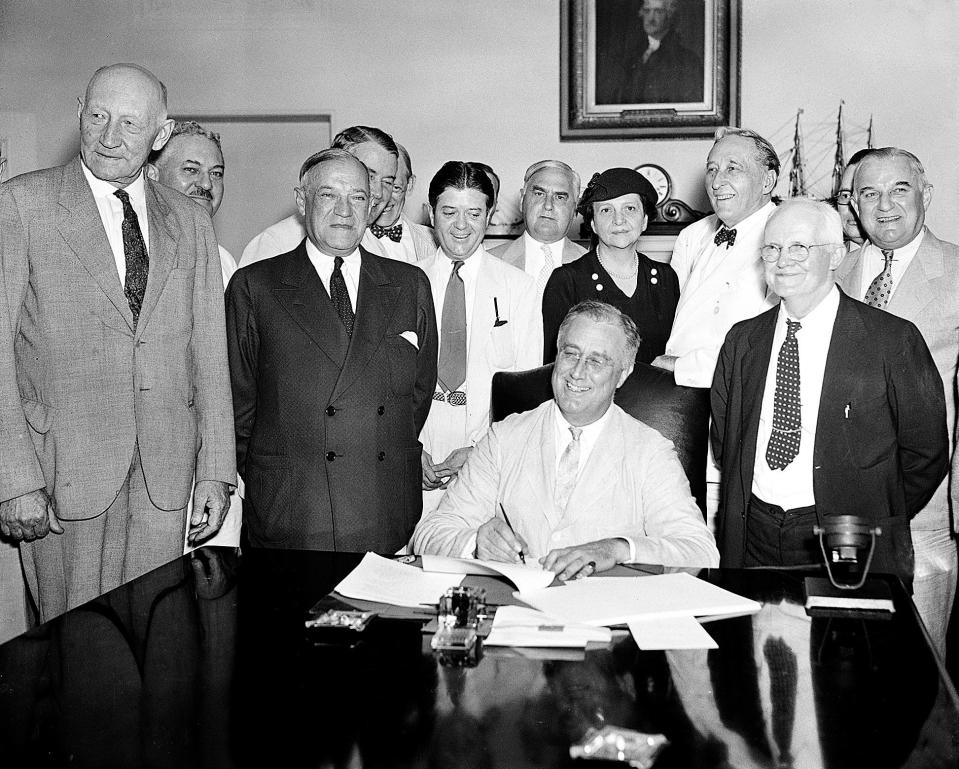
879, 291
341, 296
783, 443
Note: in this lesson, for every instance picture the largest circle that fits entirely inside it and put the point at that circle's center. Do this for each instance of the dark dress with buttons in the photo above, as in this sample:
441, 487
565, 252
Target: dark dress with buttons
651, 306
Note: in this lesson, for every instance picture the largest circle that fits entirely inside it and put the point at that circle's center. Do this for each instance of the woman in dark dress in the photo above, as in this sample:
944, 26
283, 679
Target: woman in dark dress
615, 205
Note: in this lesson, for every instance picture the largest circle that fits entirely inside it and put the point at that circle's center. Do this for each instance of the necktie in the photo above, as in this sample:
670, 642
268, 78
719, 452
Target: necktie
546, 271
568, 470
879, 291
726, 236
135, 253
451, 369
340, 295
783, 678
394, 233
783, 443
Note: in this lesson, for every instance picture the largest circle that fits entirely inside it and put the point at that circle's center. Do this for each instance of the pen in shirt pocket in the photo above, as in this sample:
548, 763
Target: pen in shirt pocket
848, 406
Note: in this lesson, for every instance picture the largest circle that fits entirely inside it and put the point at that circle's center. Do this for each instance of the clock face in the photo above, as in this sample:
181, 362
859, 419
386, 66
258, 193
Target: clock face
659, 179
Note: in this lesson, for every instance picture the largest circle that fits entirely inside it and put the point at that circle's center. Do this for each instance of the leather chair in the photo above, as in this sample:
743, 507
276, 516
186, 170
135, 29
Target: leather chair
681, 414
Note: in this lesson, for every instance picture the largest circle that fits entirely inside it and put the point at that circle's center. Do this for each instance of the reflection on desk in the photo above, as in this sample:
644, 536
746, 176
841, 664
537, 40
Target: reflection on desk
206, 662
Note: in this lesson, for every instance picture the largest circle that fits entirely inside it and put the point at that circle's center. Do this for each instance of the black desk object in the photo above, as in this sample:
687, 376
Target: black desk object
206, 662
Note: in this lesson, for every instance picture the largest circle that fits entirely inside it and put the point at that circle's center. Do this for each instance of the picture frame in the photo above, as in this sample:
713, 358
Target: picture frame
686, 88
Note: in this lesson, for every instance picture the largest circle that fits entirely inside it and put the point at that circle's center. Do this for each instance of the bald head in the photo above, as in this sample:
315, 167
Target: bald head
122, 119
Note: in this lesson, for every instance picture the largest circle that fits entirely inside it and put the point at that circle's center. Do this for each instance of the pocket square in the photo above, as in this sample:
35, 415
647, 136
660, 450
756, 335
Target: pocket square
410, 336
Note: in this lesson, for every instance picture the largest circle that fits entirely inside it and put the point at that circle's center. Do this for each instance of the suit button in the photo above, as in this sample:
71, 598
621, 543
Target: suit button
330, 456
381, 456
381, 411
330, 411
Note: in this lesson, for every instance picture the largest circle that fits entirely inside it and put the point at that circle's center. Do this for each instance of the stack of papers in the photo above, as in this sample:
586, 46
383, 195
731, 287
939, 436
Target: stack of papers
659, 610
384, 581
526, 577
520, 626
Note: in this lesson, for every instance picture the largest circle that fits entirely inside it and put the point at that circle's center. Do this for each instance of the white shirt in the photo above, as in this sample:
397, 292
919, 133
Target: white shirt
535, 258
404, 251
111, 214
718, 286
873, 263
227, 265
469, 272
323, 264
792, 486
587, 441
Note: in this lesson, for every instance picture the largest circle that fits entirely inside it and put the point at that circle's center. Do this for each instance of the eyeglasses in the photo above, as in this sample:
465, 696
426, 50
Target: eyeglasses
798, 252
844, 197
594, 365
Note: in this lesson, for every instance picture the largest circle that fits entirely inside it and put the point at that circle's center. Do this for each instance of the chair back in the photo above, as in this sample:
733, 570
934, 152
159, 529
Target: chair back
650, 395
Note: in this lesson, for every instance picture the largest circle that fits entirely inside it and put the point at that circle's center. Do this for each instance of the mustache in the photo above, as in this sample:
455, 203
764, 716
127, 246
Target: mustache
199, 192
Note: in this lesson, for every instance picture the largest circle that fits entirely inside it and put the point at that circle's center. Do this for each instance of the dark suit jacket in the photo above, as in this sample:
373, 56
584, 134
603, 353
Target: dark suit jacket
882, 462
326, 425
80, 390
673, 73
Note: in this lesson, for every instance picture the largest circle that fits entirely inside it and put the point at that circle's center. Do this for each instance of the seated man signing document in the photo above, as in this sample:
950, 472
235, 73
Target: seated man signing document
584, 486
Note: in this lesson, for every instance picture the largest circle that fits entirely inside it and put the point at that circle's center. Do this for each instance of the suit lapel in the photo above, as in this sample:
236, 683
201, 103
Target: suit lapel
376, 299
515, 253
488, 287
603, 463
302, 295
916, 286
542, 457
78, 220
164, 235
849, 272
754, 369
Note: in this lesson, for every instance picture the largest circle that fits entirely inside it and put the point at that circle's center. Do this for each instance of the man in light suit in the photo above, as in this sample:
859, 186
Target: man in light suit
399, 237
822, 406
549, 196
333, 362
584, 485
113, 389
487, 322
890, 196
373, 148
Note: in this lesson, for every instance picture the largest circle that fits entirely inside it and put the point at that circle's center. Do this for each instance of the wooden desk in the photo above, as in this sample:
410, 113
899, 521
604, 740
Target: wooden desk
205, 662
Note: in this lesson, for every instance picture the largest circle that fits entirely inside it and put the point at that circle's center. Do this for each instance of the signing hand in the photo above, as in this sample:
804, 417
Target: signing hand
667, 362
583, 560
211, 501
30, 516
496, 541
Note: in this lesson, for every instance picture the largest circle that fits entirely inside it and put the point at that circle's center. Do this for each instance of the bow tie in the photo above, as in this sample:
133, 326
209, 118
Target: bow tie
394, 233
726, 236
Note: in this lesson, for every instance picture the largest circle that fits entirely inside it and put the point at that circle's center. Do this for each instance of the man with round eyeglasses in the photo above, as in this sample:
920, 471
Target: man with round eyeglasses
576, 483
821, 406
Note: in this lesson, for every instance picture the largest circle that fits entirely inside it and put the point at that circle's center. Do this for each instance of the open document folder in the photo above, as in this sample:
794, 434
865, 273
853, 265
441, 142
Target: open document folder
617, 600
524, 576
385, 581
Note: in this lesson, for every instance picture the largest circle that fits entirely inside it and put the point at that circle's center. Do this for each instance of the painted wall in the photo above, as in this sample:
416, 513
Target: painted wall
478, 80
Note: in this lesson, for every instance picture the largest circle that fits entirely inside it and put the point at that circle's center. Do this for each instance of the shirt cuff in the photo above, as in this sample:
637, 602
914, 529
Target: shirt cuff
469, 550
632, 549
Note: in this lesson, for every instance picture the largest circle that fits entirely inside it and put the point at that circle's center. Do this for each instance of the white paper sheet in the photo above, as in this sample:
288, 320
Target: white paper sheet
521, 626
670, 633
385, 581
617, 600
524, 576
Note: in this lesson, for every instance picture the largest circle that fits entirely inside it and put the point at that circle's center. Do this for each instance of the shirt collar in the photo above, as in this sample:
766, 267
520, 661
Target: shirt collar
903, 253
533, 243
820, 317
471, 265
313, 252
101, 189
590, 431
756, 221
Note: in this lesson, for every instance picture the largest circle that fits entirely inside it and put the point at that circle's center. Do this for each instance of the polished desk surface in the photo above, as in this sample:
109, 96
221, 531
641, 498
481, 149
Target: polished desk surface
206, 662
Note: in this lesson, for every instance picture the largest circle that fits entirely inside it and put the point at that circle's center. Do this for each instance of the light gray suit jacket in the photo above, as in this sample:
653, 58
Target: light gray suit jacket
631, 486
514, 252
80, 390
927, 295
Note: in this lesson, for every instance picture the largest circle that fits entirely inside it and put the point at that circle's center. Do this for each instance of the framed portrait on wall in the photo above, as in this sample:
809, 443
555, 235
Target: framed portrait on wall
648, 68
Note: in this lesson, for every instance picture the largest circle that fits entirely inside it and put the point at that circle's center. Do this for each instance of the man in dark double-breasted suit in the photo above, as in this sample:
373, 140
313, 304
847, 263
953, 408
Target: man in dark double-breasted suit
333, 363
850, 422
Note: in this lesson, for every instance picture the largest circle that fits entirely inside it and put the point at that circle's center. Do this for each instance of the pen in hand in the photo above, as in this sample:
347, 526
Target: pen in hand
522, 555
